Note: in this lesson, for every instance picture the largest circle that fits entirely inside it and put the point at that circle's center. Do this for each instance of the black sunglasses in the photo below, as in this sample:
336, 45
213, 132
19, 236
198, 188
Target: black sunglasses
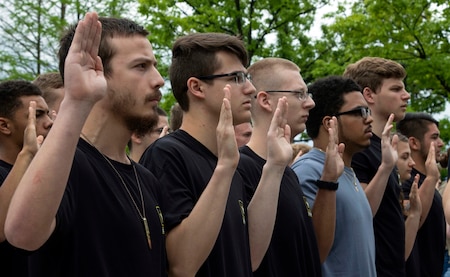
364, 112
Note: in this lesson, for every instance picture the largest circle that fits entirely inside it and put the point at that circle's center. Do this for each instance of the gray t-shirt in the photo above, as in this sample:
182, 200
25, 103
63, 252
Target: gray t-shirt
353, 250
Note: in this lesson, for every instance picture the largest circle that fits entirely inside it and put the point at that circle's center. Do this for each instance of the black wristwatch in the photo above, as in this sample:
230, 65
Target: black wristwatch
327, 185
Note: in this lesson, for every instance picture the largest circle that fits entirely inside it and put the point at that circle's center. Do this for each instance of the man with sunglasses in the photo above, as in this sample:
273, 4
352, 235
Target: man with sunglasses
350, 248
293, 249
211, 228
381, 81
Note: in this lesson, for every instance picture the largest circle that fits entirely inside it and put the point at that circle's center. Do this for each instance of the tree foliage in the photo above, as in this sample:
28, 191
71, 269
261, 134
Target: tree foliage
414, 33
30, 31
268, 27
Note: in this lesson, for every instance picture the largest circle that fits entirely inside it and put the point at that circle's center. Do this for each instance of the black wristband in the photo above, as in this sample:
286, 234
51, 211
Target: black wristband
327, 185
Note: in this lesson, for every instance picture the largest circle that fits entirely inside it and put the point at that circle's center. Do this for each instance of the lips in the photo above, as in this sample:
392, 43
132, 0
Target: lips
154, 97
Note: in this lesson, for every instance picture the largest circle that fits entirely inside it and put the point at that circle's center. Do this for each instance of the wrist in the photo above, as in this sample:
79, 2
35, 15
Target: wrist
327, 185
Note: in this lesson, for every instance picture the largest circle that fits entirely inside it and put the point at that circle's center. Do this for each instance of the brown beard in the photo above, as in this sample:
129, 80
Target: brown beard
139, 124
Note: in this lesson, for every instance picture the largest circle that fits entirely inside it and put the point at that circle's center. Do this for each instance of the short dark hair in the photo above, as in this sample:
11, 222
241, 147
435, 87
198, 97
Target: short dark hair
416, 124
372, 71
111, 27
328, 94
195, 55
10, 93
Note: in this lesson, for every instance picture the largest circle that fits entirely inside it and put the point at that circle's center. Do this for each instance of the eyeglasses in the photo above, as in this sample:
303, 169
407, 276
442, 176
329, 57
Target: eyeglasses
301, 94
364, 112
240, 77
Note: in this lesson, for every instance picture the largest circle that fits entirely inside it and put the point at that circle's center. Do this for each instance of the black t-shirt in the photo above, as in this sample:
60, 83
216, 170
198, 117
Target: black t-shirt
98, 229
431, 238
184, 167
14, 262
388, 223
293, 249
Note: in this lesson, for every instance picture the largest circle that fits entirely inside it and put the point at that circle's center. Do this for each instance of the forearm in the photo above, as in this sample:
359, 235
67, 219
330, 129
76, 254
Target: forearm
10, 184
324, 221
446, 202
190, 243
411, 228
31, 216
376, 187
262, 212
426, 194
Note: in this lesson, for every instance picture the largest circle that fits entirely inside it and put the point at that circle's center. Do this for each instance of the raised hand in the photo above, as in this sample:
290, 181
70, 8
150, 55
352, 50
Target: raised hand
83, 78
279, 149
430, 163
334, 165
389, 155
31, 143
415, 205
227, 150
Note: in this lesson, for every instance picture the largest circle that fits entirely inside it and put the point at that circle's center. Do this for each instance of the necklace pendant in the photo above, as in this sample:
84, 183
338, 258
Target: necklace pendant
147, 232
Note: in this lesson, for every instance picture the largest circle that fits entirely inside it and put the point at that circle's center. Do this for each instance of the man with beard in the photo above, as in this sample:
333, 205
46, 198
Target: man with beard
24, 115
422, 130
83, 205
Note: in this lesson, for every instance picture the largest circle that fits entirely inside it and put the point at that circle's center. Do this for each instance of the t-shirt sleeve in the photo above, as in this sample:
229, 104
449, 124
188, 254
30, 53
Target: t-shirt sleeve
177, 199
308, 172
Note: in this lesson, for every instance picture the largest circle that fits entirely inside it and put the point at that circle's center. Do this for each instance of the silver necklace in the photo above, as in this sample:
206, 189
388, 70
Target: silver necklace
141, 214
355, 185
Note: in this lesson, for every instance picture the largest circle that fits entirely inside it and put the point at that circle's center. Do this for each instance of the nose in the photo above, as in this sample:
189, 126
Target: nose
309, 103
440, 143
48, 122
156, 79
412, 163
369, 119
249, 88
406, 95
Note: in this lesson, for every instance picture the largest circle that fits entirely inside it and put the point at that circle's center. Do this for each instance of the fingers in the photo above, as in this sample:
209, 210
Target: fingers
432, 152
32, 113
40, 140
388, 127
226, 106
29, 136
333, 138
394, 142
279, 116
414, 187
164, 131
278, 126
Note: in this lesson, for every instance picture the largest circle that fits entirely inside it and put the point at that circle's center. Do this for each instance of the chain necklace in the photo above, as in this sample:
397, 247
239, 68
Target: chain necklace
141, 214
355, 185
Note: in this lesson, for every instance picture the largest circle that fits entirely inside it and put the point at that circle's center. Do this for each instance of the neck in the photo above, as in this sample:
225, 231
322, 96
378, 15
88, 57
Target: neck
9, 152
201, 127
420, 162
379, 121
258, 140
321, 143
108, 135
